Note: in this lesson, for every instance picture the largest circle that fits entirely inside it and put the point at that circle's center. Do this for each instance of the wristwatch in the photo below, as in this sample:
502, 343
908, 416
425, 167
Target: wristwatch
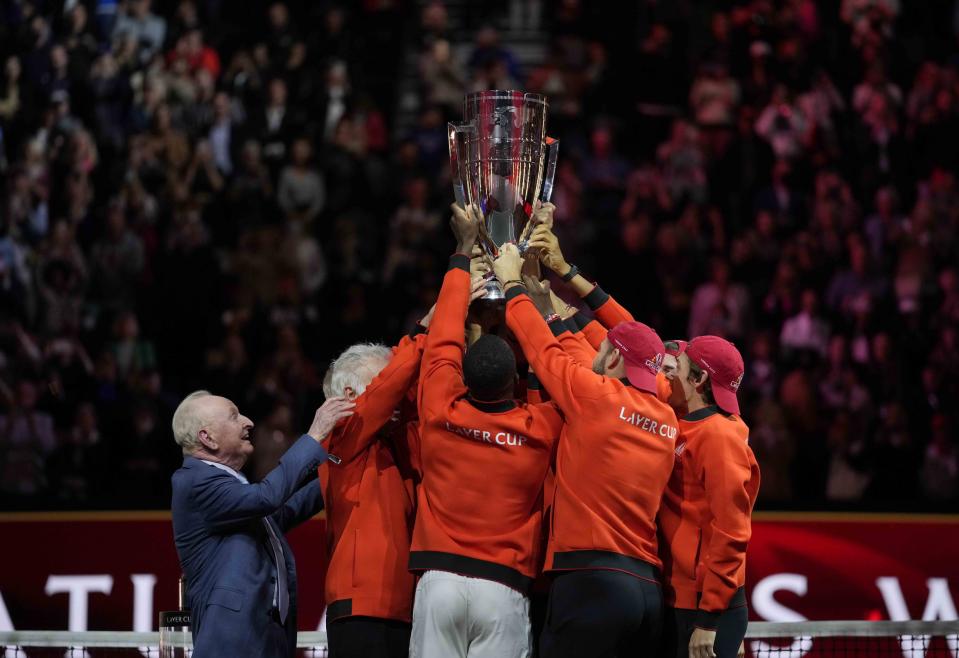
573, 271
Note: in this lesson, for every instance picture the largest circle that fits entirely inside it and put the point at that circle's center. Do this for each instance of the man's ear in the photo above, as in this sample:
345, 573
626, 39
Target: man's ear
349, 393
701, 380
207, 440
613, 358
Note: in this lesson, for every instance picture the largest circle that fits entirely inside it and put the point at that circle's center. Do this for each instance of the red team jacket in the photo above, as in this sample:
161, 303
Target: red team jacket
613, 460
705, 518
480, 502
369, 499
704, 521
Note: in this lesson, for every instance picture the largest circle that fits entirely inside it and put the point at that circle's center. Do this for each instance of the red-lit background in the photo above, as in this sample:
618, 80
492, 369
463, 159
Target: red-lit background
809, 566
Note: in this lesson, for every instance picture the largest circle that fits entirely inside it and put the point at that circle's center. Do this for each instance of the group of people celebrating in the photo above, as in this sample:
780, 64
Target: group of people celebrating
618, 475
500, 471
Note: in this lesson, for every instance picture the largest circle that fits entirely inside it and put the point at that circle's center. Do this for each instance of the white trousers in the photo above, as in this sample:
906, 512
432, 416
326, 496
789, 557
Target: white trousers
458, 616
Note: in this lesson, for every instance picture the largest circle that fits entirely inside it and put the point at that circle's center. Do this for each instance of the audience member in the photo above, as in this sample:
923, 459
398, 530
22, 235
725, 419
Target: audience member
782, 174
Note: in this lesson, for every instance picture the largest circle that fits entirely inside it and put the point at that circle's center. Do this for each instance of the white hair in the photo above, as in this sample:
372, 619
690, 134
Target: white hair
187, 422
357, 366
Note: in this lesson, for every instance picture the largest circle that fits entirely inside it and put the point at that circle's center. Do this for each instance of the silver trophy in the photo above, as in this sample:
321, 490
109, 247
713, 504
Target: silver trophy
502, 162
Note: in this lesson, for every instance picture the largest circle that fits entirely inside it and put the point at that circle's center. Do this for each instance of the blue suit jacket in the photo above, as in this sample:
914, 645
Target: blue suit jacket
225, 552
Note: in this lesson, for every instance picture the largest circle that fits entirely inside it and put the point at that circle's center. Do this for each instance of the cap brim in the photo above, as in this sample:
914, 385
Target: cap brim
641, 378
726, 400
680, 347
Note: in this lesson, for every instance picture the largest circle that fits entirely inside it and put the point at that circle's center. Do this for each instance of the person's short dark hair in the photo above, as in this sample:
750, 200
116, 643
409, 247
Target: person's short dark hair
696, 372
489, 368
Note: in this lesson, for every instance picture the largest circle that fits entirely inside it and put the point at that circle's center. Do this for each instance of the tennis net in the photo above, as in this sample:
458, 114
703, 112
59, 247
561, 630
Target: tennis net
813, 639
853, 639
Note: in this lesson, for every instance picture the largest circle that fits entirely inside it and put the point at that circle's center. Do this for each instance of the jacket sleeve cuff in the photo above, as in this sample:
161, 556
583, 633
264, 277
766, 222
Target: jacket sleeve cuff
417, 330
557, 326
515, 291
532, 382
461, 262
707, 620
576, 322
596, 297
318, 451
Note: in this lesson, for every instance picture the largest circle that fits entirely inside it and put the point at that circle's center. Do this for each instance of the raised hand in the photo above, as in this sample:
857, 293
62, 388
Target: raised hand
544, 240
540, 294
477, 288
509, 264
543, 215
465, 224
479, 262
327, 416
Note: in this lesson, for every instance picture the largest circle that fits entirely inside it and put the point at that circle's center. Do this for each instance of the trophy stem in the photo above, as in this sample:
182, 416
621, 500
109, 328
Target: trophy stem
494, 291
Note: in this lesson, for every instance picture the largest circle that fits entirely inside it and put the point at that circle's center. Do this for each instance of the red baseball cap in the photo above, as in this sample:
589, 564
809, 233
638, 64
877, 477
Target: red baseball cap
722, 361
642, 350
675, 351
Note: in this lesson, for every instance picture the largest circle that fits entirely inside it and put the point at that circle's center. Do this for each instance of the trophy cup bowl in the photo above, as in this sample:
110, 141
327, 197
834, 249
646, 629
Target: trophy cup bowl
502, 163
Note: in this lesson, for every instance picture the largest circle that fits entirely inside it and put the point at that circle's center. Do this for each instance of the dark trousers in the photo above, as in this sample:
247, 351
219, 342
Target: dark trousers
679, 624
368, 637
601, 614
538, 604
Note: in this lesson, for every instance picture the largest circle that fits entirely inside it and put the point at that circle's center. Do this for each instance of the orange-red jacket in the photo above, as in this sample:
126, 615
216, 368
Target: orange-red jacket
606, 309
607, 312
574, 342
593, 332
535, 393
614, 457
369, 499
480, 502
704, 521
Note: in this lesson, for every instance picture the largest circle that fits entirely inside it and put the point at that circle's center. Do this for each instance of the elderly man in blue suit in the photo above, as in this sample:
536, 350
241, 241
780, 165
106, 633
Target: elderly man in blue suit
241, 579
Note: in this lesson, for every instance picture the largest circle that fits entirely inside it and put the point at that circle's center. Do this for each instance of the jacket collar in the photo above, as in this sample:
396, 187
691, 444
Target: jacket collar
497, 407
701, 414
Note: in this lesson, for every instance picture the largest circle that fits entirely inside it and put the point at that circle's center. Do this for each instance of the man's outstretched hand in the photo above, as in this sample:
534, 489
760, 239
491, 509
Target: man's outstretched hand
327, 416
477, 288
550, 254
465, 224
542, 216
509, 264
539, 293
480, 264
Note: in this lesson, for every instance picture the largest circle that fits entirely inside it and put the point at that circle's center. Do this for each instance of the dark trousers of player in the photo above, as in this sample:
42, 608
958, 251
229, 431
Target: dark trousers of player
601, 614
679, 624
368, 637
538, 604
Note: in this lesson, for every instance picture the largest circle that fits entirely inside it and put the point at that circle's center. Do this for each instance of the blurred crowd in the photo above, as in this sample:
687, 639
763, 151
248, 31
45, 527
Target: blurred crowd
202, 194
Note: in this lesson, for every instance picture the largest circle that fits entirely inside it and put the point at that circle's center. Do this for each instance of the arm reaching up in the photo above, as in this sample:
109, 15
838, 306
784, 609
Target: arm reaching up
607, 310
441, 378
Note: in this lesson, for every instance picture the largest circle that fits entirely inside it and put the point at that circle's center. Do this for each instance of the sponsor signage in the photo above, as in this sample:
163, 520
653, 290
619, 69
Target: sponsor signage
119, 570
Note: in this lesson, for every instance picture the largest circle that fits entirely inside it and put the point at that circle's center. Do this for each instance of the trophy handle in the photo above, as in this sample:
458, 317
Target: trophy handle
552, 150
458, 156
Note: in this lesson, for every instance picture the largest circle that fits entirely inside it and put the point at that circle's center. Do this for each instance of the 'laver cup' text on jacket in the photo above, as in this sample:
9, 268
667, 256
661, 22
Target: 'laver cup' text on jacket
613, 461
480, 502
